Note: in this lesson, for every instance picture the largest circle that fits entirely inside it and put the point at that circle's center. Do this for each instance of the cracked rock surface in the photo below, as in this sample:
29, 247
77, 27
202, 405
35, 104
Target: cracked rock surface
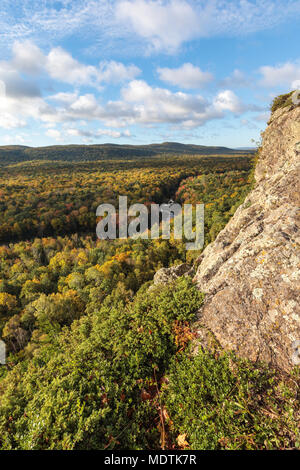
251, 272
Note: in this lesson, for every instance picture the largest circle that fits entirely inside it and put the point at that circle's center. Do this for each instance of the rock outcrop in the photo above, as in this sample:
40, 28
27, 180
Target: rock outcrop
251, 272
167, 275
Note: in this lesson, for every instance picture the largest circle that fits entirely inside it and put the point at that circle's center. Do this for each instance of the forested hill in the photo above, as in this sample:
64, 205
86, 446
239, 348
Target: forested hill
16, 153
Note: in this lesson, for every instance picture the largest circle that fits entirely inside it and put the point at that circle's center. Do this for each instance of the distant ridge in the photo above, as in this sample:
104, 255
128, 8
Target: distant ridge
19, 153
247, 148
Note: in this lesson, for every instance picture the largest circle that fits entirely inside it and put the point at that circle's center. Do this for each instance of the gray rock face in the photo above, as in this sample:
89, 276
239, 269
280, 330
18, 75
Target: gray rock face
167, 275
251, 272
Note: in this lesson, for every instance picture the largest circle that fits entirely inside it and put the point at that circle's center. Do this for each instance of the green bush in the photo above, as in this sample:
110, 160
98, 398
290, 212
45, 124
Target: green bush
281, 101
94, 386
227, 403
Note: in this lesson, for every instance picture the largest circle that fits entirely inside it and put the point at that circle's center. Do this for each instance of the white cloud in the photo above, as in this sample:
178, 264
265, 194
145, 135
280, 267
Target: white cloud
85, 135
154, 105
61, 66
186, 76
228, 101
85, 104
13, 139
115, 72
46, 20
150, 105
18, 101
145, 105
139, 103
295, 85
112, 133
164, 24
27, 57
64, 97
9, 121
287, 74
15, 85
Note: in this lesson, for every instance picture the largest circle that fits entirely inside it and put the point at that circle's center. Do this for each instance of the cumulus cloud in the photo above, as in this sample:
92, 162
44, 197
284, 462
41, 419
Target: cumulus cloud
228, 101
10, 121
156, 105
15, 85
143, 104
139, 103
287, 74
186, 76
85, 106
116, 72
27, 57
60, 65
19, 100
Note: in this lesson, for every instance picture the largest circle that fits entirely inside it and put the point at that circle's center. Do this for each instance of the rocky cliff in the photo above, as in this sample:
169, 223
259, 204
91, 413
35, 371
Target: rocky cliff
250, 273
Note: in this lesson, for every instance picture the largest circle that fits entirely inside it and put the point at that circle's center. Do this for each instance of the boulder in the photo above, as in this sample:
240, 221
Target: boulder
167, 275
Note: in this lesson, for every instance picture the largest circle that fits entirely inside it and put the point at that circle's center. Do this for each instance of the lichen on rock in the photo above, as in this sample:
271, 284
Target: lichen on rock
251, 272
167, 275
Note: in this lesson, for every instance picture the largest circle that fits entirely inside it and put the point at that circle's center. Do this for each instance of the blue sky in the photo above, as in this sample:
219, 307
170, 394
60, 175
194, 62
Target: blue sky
142, 71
